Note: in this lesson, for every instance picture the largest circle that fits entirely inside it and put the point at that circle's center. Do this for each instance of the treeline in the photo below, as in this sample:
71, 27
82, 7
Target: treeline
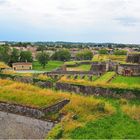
10, 56
13, 55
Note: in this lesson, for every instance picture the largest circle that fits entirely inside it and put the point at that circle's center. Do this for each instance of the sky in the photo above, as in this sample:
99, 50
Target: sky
116, 21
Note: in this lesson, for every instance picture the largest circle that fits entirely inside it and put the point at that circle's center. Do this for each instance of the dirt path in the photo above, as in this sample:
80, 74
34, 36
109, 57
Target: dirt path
20, 127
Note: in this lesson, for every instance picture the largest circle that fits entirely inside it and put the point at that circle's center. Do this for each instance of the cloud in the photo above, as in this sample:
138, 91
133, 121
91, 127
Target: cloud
84, 17
129, 21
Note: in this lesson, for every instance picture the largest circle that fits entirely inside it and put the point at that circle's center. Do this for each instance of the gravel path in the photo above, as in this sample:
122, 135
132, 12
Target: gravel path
20, 127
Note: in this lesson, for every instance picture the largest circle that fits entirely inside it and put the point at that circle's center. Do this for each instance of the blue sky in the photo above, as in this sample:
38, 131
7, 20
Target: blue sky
70, 20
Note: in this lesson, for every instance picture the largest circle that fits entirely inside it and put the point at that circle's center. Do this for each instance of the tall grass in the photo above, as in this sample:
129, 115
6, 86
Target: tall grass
79, 111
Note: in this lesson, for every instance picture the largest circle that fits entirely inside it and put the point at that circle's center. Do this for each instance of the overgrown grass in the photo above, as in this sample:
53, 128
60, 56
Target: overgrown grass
78, 112
126, 80
49, 67
106, 77
84, 67
117, 126
105, 57
104, 81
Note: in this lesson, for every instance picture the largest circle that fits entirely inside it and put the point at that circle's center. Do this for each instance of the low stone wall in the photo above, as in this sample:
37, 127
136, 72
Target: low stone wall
98, 91
30, 111
73, 73
22, 110
56, 107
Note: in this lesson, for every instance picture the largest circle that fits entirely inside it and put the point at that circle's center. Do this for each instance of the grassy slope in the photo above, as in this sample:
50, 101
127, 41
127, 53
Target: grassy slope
117, 126
126, 80
80, 68
105, 57
88, 121
49, 67
84, 108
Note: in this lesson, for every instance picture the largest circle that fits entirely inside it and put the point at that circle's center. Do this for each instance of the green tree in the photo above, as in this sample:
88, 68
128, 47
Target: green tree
5, 54
14, 57
26, 56
61, 55
43, 58
84, 55
103, 51
120, 52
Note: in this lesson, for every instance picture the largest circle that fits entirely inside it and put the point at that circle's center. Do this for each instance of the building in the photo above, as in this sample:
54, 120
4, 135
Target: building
22, 66
99, 67
133, 58
129, 69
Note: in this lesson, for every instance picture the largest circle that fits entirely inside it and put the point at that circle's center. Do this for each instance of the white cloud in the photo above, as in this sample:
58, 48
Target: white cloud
95, 15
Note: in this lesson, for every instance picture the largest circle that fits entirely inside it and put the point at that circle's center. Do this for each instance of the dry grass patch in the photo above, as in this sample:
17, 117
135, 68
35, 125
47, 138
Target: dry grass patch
132, 111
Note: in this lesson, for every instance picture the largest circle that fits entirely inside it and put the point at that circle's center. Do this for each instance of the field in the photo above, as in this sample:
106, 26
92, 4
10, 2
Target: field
84, 67
126, 80
83, 108
85, 117
49, 67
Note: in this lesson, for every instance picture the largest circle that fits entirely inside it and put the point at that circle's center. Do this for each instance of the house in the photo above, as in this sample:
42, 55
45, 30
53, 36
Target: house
129, 69
22, 66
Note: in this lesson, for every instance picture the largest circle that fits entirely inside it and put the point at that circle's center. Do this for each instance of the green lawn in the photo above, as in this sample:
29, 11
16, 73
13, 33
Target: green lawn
49, 67
126, 80
106, 77
84, 67
117, 126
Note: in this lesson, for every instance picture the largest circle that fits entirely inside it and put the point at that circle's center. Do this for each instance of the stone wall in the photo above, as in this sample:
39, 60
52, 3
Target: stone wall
97, 91
56, 107
133, 69
22, 110
30, 111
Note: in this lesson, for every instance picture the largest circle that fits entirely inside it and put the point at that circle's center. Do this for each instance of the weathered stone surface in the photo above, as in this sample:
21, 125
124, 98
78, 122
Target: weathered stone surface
24, 79
32, 112
56, 107
46, 84
14, 126
22, 110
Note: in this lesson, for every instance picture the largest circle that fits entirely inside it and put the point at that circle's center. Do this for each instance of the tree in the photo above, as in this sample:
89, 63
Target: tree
103, 51
5, 54
14, 57
61, 55
43, 58
26, 56
84, 55
41, 48
120, 52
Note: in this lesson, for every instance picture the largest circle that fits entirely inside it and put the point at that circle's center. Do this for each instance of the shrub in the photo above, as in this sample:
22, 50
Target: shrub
56, 132
123, 101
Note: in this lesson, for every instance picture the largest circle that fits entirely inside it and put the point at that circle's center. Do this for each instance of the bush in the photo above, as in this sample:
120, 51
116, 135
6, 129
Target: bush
56, 132
100, 107
123, 101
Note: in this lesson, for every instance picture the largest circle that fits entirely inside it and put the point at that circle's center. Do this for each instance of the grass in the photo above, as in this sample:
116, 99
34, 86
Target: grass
84, 67
49, 67
105, 57
78, 112
121, 125
105, 81
3, 65
126, 80
106, 77
25, 94
85, 117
